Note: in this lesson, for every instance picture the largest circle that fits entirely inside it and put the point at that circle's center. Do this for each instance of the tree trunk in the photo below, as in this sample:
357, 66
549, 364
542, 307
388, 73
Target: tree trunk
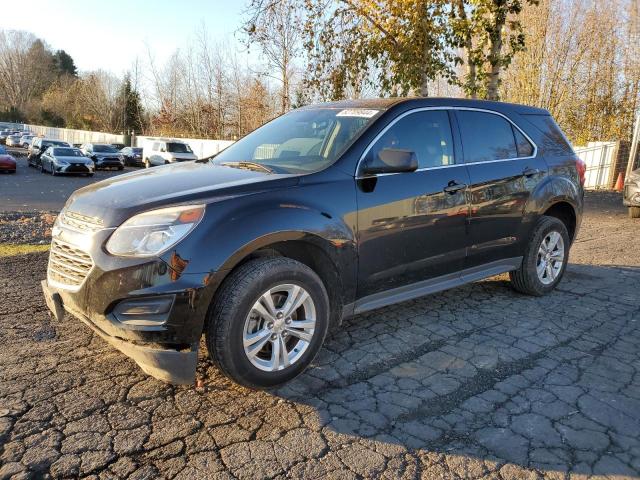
495, 57
471, 80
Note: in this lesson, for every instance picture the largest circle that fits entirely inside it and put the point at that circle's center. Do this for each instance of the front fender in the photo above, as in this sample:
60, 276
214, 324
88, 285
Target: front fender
233, 229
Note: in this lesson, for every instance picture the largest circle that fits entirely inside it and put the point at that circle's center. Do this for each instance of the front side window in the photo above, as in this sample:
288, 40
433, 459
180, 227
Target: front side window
486, 136
302, 141
426, 133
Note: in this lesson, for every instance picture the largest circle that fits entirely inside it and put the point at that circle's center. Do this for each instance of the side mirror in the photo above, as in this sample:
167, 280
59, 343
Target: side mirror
391, 160
163, 150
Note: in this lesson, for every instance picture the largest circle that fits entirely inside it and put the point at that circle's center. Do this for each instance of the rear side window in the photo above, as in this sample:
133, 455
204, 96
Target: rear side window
426, 133
486, 136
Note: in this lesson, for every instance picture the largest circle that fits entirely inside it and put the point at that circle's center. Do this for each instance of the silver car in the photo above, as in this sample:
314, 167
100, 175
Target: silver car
58, 160
13, 140
26, 140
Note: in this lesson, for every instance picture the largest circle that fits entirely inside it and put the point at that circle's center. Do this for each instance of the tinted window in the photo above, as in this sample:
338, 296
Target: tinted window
428, 134
178, 148
554, 139
525, 149
485, 136
104, 149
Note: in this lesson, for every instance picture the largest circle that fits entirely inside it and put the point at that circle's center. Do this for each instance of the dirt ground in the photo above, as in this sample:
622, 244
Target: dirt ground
475, 382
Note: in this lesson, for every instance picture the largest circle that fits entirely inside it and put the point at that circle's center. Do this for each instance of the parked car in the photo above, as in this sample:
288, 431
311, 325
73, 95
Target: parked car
163, 152
103, 155
631, 194
118, 146
13, 140
325, 212
132, 156
4, 134
58, 160
7, 163
26, 140
37, 148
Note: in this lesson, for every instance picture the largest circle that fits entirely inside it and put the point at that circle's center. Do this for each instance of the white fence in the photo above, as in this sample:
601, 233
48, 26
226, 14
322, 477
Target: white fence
599, 158
202, 148
75, 136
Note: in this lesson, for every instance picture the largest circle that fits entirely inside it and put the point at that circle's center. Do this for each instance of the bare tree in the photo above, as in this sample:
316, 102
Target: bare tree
275, 26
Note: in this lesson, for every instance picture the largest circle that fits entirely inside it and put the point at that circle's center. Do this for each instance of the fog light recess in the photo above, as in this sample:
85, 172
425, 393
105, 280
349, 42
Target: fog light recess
144, 311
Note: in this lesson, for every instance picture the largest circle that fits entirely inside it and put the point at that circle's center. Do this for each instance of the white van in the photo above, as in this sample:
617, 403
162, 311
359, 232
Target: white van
161, 152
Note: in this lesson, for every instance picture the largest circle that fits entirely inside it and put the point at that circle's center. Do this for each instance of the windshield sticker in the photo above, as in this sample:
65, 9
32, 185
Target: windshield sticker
357, 112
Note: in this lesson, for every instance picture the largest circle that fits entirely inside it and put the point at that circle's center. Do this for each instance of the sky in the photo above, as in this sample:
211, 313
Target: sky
110, 34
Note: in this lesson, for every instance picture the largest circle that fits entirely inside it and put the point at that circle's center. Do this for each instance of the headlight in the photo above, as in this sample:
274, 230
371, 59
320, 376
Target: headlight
152, 233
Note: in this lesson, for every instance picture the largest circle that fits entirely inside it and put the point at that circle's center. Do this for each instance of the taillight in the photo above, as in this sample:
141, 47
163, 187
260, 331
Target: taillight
581, 168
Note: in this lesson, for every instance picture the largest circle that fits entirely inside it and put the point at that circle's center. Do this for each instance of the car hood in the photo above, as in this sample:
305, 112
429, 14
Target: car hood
118, 198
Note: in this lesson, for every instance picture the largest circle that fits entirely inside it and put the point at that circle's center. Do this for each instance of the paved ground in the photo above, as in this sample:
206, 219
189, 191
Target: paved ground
28, 189
475, 382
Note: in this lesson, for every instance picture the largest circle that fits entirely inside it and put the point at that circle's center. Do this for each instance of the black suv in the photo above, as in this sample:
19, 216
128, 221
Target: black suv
325, 212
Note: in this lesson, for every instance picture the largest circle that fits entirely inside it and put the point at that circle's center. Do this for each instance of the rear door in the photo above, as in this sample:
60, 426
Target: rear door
504, 169
412, 226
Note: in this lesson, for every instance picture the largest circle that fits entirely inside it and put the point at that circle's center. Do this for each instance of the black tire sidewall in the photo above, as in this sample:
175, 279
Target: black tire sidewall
234, 360
547, 225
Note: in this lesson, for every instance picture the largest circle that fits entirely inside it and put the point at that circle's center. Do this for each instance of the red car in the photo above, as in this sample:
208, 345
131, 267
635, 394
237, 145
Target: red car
7, 164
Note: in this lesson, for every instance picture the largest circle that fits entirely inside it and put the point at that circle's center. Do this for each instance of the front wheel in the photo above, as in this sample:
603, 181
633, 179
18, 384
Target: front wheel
545, 259
634, 212
267, 322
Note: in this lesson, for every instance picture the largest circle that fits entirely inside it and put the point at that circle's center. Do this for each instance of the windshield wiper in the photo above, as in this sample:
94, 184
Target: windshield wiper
248, 166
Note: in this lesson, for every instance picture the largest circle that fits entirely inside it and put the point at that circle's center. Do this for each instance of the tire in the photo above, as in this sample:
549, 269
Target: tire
90, 175
41, 168
232, 315
634, 212
146, 163
53, 171
526, 279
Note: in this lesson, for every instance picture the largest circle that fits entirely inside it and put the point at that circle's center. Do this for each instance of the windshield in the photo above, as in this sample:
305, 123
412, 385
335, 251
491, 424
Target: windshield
104, 149
178, 148
67, 152
301, 141
136, 150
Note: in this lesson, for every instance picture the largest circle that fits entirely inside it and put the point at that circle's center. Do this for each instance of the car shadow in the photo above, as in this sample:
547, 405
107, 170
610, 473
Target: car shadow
483, 374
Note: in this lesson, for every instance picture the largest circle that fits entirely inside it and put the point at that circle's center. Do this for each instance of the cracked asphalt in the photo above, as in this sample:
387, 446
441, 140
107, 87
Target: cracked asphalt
475, 382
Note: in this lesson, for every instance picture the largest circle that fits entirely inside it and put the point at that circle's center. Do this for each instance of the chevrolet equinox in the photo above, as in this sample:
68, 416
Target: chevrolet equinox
326, 212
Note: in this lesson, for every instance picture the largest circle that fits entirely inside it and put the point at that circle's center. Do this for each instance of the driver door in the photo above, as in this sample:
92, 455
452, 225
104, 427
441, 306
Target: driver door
412, 226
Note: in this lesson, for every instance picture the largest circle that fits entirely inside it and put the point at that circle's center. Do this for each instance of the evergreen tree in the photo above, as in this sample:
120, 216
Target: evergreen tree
132, 118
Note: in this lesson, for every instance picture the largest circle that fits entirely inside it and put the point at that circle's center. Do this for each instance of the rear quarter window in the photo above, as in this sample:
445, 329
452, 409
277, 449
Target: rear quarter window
553, 140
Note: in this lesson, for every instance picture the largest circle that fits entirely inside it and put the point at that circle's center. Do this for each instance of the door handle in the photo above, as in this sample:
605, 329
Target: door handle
530, 172
454, 187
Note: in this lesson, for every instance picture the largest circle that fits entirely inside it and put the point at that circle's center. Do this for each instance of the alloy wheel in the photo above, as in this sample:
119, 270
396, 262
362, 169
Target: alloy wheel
550, 257
279, 327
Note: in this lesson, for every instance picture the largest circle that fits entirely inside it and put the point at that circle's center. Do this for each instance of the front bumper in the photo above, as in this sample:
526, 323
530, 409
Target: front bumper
631, 195
94, 286
172, 366
108, 163
71, 168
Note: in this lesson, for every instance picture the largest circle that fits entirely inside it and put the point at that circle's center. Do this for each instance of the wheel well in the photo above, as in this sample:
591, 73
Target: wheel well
564, 212
317, 260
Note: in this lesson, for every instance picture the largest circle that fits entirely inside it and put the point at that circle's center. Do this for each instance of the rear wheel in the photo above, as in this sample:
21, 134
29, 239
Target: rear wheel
267, 322
634, 212
545, 259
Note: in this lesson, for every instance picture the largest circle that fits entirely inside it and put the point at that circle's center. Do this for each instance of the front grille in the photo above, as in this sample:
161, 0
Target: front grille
68, 265
81, 223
